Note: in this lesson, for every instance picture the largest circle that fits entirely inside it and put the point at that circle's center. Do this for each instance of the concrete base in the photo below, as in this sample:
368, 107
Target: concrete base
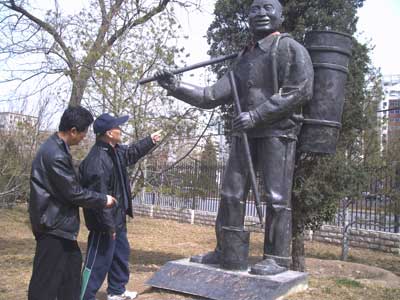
211, 282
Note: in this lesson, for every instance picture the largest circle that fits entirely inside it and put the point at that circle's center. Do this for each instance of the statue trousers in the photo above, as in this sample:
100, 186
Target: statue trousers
274, 159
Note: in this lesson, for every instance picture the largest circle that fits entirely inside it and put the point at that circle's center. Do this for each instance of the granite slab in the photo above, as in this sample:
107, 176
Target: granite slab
212, 282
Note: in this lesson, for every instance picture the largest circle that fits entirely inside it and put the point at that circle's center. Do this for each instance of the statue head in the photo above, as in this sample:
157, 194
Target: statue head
265, 17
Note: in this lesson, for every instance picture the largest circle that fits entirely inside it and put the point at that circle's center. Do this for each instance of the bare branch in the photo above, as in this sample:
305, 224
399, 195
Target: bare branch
48, 28
135, 22
188, 153
103, 9
23, 80
11, 191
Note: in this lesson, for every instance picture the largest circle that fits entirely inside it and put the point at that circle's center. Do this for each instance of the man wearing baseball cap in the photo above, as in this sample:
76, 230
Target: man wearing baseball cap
105, 169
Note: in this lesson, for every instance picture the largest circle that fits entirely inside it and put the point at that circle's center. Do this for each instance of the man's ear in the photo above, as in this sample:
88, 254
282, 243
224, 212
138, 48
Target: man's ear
73, 130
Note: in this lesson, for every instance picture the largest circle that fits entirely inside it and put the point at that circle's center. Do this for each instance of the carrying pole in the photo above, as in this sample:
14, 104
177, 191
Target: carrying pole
192, 67
246, 149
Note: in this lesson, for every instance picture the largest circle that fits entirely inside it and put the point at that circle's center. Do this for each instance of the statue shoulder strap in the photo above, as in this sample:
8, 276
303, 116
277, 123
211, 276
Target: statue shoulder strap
274, 64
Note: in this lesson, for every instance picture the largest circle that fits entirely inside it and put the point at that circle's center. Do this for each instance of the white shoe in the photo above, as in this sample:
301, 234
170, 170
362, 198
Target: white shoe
130, 294
114, 297
127, 295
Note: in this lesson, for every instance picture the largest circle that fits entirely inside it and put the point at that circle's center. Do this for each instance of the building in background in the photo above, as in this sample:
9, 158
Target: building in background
217, 133
390, 111
10, 121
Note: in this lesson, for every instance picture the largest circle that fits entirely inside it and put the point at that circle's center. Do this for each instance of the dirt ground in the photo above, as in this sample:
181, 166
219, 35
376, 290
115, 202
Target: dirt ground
369, 275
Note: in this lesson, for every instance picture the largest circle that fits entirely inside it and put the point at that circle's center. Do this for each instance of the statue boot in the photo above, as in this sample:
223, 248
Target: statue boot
267, 267
209, 258
277, 254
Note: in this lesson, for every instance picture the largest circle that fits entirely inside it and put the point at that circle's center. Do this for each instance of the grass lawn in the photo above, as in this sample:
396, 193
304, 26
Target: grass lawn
369, 274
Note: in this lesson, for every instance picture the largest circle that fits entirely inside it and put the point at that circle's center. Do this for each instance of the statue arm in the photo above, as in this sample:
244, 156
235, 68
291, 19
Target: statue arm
295, 77
203, 97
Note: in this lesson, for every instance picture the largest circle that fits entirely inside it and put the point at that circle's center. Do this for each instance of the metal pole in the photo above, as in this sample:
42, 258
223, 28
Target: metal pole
192, 67
246, 149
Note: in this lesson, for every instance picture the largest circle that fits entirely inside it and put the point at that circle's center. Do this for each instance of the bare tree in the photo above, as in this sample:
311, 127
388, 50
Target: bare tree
20, 141
69, 46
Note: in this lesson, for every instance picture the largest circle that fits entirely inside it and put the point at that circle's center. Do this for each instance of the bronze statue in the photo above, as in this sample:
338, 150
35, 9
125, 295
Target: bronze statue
274, 79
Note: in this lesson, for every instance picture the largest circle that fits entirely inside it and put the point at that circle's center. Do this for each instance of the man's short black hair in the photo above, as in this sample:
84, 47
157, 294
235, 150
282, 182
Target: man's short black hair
75, 116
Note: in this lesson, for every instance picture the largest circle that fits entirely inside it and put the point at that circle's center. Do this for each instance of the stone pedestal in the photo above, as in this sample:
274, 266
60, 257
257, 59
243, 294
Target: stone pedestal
211, 282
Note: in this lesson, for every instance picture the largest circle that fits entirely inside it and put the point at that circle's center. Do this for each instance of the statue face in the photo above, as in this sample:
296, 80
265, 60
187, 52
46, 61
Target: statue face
265, 17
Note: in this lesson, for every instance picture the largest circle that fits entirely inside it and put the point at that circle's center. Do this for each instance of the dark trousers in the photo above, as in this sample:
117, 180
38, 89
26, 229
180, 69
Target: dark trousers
56, 269
106, 256
274, 158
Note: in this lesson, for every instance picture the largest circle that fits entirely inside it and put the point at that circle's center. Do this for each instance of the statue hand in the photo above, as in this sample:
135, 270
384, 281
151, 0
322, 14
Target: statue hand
166, 79
243, 122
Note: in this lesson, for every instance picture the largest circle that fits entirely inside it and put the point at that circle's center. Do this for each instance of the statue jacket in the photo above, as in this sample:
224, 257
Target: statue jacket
271, 106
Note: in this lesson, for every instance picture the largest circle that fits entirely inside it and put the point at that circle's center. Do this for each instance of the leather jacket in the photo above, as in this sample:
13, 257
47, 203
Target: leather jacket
55, 192
105, 170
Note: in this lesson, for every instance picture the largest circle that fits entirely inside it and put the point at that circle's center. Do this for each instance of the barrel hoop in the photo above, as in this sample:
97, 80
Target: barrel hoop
333, 32
329, 49
331, 66
322, 122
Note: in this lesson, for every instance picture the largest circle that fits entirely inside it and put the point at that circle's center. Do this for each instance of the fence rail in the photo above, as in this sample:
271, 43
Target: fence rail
197, 186
197, 203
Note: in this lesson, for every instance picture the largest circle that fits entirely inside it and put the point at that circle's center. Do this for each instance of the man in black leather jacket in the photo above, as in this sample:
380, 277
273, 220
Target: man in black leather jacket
105, 170
55, 197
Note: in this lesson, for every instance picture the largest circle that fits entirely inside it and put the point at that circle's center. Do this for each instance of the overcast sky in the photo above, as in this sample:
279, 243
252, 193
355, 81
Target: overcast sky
379, 22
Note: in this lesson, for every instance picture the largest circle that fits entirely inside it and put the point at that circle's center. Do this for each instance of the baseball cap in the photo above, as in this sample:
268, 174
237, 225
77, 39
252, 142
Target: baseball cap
106, 122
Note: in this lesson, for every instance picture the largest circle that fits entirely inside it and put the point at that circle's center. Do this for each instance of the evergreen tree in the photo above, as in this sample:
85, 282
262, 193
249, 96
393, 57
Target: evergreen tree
229, 31
208, 185
209, 154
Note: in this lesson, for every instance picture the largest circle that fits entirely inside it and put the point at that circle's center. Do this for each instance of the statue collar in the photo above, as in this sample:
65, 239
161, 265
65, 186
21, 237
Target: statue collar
265, 44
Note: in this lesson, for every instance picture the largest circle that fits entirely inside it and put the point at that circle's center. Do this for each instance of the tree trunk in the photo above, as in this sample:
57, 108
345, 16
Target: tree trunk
345, 238
79, 84
298, 252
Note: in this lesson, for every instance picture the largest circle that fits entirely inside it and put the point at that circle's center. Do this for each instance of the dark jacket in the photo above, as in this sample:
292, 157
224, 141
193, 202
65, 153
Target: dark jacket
105, 170
55, 193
